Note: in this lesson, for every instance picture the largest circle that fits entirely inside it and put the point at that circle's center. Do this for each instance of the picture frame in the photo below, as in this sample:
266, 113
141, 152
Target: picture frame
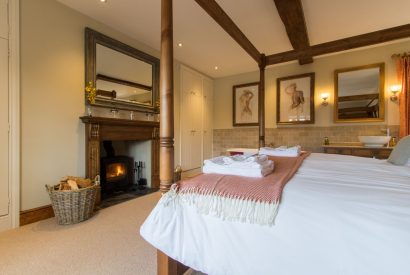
295, 99
246, 104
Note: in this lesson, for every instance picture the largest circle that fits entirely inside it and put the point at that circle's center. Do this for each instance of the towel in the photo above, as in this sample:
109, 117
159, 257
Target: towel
281, 151
244, 159
239, 161
212, 168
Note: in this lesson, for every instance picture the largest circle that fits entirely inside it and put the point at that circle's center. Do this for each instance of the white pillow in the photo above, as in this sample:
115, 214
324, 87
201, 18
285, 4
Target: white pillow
401, 152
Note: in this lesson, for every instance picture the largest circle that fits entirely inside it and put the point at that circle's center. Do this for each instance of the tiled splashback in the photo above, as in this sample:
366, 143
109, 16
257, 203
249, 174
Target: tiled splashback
310, 138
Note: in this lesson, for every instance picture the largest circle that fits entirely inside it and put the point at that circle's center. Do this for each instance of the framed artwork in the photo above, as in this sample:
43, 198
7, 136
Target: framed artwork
295, 99
246, 104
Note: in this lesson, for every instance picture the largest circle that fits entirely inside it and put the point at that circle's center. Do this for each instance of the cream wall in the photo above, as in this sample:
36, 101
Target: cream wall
52, 94
323, 68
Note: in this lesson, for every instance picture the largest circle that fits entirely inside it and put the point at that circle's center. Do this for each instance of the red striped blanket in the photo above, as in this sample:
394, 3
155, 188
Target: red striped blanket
247, 199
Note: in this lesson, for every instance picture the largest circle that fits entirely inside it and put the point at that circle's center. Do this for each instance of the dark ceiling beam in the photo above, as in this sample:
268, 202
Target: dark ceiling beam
219, 15
344, 44
291, 13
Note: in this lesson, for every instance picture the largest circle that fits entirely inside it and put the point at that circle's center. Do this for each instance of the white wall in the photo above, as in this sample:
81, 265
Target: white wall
141, 151
52, 94
324, 68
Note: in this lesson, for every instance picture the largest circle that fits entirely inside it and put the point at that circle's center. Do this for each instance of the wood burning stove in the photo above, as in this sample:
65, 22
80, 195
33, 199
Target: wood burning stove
116, 172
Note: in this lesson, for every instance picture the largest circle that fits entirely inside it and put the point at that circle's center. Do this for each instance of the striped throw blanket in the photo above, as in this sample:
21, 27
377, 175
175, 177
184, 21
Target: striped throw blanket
236, 198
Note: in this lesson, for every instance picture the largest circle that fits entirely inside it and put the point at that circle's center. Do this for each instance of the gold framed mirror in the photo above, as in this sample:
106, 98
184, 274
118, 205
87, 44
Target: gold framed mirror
123, 77
359, 94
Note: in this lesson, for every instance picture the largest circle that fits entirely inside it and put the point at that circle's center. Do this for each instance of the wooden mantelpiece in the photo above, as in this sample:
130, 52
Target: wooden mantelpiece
98, 129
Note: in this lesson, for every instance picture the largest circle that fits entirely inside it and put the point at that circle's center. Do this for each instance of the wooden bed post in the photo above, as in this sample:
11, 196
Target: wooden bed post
261, 113
166, 265
166, 86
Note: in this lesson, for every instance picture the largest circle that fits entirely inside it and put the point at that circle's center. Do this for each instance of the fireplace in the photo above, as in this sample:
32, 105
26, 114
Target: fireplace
100, 129
117, 173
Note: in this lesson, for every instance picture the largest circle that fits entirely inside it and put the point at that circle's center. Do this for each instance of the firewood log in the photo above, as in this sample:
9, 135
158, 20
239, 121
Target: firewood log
73, 185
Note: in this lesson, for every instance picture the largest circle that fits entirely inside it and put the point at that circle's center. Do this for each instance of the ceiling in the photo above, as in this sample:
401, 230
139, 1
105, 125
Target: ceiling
206, 45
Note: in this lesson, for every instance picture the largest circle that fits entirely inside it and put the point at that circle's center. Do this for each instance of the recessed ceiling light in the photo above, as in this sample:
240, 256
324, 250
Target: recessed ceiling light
103, 1
179, 44
216, 67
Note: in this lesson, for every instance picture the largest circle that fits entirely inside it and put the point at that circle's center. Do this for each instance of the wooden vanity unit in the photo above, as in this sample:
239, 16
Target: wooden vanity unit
357, 149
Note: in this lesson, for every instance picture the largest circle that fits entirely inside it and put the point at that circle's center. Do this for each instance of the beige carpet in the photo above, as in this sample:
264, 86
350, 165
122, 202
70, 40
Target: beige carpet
108, 243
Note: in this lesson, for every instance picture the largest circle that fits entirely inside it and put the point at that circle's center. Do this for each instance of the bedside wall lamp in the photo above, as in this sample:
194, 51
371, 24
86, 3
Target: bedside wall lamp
324, 97
394, 90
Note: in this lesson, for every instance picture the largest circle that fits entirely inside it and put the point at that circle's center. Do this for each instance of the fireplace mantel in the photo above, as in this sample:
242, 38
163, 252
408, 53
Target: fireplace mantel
98, 129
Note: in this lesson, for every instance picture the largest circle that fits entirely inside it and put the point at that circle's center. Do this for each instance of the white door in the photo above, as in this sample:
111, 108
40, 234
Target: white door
191, 120
207, 118
4, 118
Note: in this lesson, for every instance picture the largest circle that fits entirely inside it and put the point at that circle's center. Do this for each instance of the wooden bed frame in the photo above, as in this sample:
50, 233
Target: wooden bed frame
296, 30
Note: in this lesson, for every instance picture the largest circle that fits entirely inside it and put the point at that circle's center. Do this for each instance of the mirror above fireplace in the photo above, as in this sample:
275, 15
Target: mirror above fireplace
124, 77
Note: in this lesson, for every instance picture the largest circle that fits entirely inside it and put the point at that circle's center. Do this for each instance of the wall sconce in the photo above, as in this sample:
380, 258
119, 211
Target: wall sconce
324, 97
394, 90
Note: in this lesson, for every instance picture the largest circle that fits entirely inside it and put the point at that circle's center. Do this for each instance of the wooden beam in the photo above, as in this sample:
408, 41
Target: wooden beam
291, 13
342, 44
261, 93
219, 15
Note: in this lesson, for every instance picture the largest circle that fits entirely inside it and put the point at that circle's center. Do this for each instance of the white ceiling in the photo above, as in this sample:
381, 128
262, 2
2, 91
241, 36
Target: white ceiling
206, 44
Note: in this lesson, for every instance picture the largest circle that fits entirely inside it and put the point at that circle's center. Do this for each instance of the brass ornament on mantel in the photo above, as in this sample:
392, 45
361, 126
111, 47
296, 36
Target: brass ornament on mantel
91, 92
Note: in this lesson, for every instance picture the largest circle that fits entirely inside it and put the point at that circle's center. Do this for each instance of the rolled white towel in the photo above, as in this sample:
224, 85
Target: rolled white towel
281, 151
266, 164
216, 160
243, 159
257, 162
248, 172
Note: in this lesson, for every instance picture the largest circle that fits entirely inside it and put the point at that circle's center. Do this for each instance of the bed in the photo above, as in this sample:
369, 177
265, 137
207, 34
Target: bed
338, 215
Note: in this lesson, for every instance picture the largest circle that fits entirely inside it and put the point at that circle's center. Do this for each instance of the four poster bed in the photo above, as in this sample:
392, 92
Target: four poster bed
337, 215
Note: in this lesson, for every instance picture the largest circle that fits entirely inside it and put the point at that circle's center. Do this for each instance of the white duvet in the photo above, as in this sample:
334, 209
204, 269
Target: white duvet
338, 215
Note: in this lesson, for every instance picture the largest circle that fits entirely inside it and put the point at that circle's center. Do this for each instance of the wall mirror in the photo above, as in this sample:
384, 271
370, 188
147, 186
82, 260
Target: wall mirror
359, 94
124, 77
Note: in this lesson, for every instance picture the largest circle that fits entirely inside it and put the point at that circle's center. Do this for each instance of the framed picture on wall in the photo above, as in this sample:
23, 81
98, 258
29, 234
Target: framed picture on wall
246, 104
295, 99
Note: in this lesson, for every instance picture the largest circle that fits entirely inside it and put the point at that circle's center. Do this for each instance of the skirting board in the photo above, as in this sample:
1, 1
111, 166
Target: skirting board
36, 214
46, 212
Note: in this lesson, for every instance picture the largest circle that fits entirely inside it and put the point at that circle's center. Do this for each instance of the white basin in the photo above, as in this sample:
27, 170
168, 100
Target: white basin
374, 141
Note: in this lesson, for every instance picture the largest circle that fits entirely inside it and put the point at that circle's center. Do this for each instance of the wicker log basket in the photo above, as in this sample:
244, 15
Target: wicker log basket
73, 206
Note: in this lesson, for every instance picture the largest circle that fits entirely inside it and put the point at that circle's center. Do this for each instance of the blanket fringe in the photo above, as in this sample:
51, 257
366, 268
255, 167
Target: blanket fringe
226, 208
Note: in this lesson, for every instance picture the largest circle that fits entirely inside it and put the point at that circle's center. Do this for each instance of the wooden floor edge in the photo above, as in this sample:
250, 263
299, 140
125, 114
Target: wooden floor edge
36, 214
